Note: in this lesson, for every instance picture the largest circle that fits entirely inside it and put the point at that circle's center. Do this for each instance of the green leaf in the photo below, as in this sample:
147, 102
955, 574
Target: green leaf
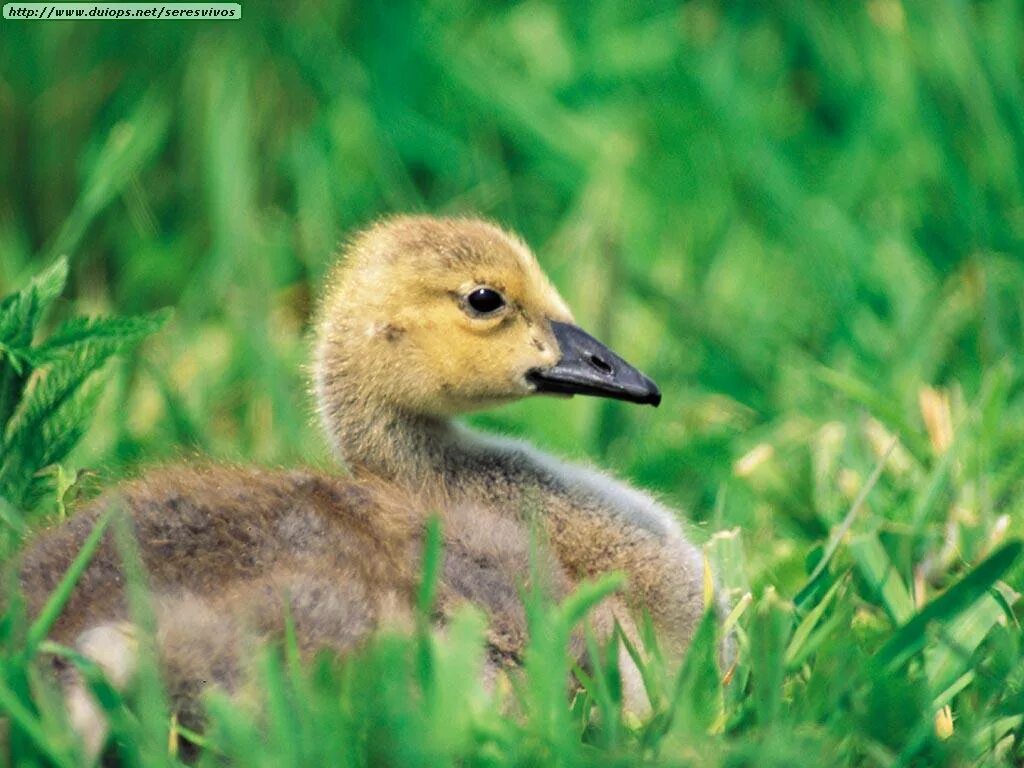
699, 702
605, 685
588, 594
20, 314
432, 564
950, 655
25, 721
123, 725
769, 635
911, 637
112, 334
58, 403
877, 570
796, 650
839, 532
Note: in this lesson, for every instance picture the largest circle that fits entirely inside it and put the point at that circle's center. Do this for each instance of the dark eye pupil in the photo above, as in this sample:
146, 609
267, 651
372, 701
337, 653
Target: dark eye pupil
485, 300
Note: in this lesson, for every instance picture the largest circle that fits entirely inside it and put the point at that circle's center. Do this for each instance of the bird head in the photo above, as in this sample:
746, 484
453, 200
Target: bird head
440, 316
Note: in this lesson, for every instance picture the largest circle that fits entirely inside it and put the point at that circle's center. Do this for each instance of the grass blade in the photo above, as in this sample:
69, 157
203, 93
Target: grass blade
910, 638
28, 724
55, 604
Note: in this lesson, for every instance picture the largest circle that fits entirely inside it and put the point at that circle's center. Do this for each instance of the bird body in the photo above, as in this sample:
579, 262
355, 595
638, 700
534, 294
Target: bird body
423, 319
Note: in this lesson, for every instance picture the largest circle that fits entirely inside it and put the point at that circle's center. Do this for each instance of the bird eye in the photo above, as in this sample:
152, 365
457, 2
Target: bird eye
485, 301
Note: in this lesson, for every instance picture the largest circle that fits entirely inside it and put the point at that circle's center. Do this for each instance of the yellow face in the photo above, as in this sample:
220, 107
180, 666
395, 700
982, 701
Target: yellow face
440, 316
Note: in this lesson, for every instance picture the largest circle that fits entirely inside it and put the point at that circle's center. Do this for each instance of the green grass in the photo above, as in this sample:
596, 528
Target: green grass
804, 220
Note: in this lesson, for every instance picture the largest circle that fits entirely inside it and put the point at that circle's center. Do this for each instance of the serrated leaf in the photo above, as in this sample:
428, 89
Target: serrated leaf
116, 332
44, 431
62, 431
20, 312
50, 389
16, 313
49, 284
83, 349
45, 397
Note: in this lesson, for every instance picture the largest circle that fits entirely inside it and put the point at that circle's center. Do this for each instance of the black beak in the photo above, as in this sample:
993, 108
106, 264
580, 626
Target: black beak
588, 367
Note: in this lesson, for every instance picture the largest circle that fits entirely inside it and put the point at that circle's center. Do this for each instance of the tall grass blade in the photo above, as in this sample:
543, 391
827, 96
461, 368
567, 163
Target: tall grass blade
50, 612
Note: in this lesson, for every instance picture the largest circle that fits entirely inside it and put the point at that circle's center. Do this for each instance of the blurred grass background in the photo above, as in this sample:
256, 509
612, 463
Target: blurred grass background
795, 217
735, 194
804, 220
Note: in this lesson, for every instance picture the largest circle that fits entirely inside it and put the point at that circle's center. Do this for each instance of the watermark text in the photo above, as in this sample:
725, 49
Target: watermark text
123, 11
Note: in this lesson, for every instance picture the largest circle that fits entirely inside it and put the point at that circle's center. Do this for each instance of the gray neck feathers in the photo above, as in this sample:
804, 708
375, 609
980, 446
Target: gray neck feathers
378, 439
415, 451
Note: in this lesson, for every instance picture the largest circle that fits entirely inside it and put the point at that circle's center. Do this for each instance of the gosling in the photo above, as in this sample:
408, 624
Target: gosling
423, 319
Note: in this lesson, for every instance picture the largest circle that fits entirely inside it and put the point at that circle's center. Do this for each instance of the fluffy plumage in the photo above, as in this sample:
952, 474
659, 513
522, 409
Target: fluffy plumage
397, 354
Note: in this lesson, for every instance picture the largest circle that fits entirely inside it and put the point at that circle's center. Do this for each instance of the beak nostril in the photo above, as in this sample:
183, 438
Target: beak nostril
600, 364
588, 367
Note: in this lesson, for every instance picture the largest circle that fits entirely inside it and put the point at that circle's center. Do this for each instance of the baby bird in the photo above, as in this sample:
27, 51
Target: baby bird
423, 319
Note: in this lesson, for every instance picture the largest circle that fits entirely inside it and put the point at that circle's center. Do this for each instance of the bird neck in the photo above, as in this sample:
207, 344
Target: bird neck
408, 449
374, 437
